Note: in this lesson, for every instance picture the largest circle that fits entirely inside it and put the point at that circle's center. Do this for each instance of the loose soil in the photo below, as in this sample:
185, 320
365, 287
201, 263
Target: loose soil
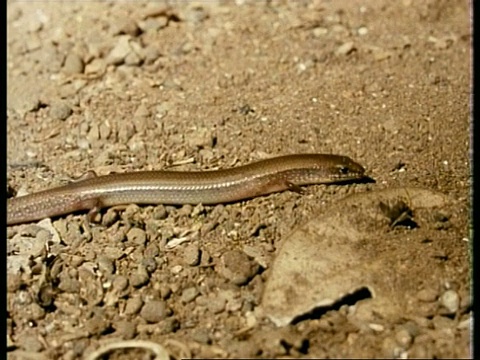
126, 86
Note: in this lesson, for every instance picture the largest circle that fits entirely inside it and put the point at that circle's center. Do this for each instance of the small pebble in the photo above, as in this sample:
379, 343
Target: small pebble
154, 311
160, 212
362, 30
139, 278
151, 250
14, 282
427, 295
345, 49
125, 25
403, 338
126, 130
217, 305
237, 267
201, 138
165, 291
443, 322
30, 343
118, 54
450, 300
97, 325
119, 283
189, 294
234, 305
73, 64
93, 133
201, 336
110, 217
60, 110
125, 329
390, 348
33, 312
105, 265
97, 66
169, 325
150, 264
105, 133
133, 305
191, 255
376, 327
137, 236
185, 210
319, 31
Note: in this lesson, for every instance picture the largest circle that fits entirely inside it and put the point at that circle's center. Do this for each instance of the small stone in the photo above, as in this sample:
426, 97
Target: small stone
189, 294
237, 267
156, 9
191, 255
125, 25
105, 133
217, 305
140, 278
30, 343
412, 327
118, 54
201, 138
234, 305
126, 131
154, 311
151, 251
376, 327
319, 31
153, 24
73, 64
403, 338
165, 291
131, 216
195, 14
125, 329
443, 322
185, 210
137, 236
201, 336
380, 54
133, 306
160, 212
150, 264
96, 67
169, 325
110, 217
14, 282
450, 300
151, 54
465, 324
390, 348
427, 295
60, 110
94, 133
465, 301
119, 283
133, 59
83, 144
345, 49
97, 325
362, 31
33, 312
105, 265
68, 284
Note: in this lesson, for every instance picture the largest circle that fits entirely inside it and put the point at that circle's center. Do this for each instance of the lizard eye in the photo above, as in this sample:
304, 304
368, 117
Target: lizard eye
344, 170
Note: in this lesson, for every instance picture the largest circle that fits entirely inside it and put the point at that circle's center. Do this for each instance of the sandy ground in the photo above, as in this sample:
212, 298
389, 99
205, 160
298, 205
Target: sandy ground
124, 86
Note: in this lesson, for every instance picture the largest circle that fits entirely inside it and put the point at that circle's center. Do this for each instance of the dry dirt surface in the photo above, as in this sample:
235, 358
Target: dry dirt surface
120, 86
